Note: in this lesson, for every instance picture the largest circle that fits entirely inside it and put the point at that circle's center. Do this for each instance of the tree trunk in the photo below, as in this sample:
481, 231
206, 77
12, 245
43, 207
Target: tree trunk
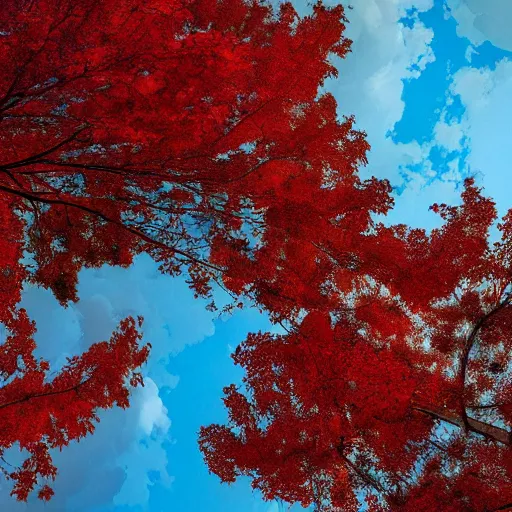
485, 429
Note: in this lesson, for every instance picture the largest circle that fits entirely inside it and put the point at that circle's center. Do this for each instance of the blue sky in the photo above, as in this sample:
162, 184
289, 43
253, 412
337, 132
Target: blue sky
431, 83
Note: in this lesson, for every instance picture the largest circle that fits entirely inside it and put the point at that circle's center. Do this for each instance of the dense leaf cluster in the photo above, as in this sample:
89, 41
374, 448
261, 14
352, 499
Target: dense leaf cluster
196, 131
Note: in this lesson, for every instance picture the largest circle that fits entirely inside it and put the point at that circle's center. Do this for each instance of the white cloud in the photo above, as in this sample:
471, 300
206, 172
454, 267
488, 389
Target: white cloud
173, 319
483, 20
371, 81
483, 132
485, 93
449, 134
115, 463
153, 413
420, 193
111, 465
470, 51
385, 54
148, 453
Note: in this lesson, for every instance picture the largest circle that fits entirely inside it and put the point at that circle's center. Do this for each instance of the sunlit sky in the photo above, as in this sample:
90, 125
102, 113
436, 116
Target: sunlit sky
430, 81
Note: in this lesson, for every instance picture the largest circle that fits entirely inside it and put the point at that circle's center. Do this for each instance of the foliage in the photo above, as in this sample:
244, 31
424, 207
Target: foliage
40, 414
196, 131
401, 396
192, 130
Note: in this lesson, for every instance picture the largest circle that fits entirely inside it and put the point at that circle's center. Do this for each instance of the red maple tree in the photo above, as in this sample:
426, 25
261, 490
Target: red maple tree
192, 130
401, 396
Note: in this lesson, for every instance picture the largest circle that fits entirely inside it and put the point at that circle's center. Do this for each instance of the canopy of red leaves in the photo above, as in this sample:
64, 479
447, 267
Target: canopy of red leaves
195, 130
189, 129
401, 397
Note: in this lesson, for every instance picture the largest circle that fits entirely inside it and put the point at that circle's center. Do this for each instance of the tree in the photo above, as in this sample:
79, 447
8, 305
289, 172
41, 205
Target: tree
193, 130
402, 396
173, 128
40, 414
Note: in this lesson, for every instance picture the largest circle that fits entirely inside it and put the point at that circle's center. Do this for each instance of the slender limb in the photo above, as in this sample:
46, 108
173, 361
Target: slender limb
31, 159
508, 506
464, 360
37, 198
40, 395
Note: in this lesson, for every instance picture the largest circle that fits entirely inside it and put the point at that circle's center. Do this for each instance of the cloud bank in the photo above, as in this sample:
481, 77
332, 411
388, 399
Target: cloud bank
483, 20
126, 455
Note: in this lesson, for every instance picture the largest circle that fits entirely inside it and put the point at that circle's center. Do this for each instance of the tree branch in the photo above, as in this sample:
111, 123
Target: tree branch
31, 159
479, 427
503, 507
96, 213
464, 360
372, 482
49, 393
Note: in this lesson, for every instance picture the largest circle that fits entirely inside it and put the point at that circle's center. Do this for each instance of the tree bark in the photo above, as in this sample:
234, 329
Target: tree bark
498, 434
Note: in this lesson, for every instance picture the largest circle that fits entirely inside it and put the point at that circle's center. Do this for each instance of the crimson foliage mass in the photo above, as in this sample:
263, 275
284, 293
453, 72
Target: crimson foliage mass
197, 131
